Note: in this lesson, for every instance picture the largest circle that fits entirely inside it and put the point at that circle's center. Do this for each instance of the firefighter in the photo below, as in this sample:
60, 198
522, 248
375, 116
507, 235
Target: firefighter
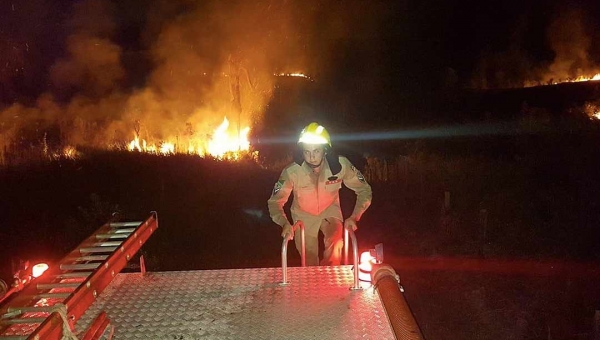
315, 178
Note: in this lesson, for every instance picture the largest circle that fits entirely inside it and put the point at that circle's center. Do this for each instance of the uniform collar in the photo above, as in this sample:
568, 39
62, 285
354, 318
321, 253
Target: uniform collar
324, 166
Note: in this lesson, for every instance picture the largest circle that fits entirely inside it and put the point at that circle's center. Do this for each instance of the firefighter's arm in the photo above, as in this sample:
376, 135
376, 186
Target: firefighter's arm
279, 196
354, 180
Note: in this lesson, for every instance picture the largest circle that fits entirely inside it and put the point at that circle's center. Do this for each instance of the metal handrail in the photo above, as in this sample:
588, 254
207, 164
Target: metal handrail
355, 257
345, 246
288, 237
347, 234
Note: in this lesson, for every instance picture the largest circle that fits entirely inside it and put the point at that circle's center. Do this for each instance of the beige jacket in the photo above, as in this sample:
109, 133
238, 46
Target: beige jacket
317, 198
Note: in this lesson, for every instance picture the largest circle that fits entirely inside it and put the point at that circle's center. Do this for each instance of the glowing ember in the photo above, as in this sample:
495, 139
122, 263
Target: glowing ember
69, 152
295, 74
592, 110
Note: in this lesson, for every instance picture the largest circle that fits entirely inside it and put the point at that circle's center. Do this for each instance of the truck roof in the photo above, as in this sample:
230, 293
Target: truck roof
317, 303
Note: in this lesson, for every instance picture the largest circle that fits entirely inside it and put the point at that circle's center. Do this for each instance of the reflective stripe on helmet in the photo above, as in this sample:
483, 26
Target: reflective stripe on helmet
314, 133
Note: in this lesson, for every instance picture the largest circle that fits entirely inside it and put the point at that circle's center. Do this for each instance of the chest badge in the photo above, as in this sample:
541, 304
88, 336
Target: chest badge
333, 180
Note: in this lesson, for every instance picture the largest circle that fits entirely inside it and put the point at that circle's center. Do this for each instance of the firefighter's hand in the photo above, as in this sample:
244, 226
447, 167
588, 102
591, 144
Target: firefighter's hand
287, 230
350, 224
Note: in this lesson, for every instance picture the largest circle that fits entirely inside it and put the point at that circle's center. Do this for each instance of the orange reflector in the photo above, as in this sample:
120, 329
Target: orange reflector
39, 269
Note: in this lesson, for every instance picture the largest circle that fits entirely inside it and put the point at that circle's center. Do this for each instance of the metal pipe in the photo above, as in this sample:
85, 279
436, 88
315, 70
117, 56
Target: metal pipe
300, 225
288, 237
303, 256
387, 283
355, 256
345, 246
284, 259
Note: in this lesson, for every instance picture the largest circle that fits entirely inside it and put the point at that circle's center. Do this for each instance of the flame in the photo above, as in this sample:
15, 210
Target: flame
223, 143
163, 148
69, 152
583, 78
167, 148
577, 79
134, 145
592, 110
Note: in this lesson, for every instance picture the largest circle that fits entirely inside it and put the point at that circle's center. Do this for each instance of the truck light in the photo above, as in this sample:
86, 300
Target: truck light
38, 269
365, 266
367, 260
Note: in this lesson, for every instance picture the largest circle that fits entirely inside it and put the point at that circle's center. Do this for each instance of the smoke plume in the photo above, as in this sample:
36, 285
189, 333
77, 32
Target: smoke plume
568, 39
571, 43
205, 61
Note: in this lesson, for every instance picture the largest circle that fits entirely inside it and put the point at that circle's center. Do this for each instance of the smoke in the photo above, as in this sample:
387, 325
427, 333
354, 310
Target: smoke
571, 44
93, 63
172, 70
207, 60
93, 66
568, 41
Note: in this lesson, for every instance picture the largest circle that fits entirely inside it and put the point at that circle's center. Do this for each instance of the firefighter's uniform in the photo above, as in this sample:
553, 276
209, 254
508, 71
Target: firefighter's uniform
317, 204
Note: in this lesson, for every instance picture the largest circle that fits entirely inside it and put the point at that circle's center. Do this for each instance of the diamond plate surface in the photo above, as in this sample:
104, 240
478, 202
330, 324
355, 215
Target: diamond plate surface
241, 304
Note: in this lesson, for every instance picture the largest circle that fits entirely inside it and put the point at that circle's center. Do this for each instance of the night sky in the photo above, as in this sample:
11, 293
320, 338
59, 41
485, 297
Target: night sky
370, 55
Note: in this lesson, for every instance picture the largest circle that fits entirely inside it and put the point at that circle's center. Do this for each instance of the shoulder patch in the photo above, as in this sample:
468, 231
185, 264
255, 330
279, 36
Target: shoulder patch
278, 186
359, 174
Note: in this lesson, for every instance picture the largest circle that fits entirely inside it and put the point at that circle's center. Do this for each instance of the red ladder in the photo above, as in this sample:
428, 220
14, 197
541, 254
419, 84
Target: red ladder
51, 304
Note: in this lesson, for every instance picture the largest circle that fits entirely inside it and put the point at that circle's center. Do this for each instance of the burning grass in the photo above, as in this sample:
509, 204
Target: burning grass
576, 79
223, 143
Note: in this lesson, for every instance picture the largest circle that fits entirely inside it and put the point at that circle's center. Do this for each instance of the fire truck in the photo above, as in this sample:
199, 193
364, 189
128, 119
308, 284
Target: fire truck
87, 296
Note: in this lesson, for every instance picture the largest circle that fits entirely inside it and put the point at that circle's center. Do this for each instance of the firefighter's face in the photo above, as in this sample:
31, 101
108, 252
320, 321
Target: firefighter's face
313, 154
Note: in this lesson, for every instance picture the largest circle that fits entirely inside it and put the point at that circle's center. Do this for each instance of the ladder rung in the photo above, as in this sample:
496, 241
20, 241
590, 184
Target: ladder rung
92, 258
52, 295
125, 224
124, 231
14, 337
113, 236
80, 266
58, 285
23, 320
41, 309
97, 249
108, 244
72, 275
6, 316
